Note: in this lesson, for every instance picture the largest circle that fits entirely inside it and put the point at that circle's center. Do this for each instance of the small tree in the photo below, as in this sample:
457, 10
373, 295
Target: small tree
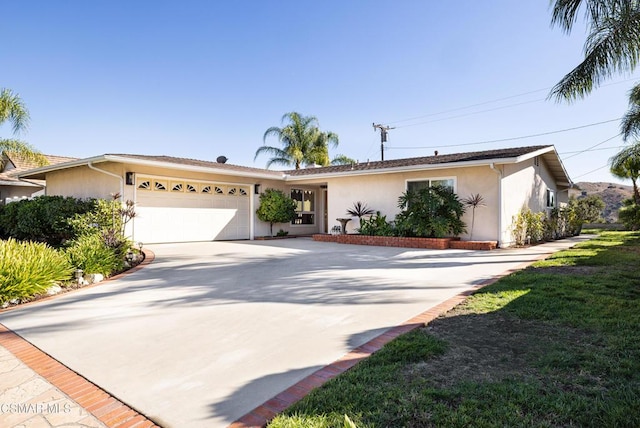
276, 207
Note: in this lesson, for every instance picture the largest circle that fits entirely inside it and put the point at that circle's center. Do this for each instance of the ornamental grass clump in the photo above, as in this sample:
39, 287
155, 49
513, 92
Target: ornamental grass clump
93, 254
29, 268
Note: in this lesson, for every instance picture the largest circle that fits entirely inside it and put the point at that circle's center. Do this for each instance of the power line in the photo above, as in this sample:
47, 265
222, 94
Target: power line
473, 113
592, 171
495, 101
507, 139
471, 105
589, 148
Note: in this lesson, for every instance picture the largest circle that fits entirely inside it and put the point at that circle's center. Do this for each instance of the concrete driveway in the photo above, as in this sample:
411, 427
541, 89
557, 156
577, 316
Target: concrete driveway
209, 331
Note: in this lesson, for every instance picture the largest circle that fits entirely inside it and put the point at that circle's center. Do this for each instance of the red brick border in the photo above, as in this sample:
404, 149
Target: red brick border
398, 241
104, 406
261, 415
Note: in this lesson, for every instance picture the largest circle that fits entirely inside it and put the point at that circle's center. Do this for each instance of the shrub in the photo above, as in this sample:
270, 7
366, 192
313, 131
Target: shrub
629, 214
42, 219
29, 268
360, 209
376, 225
93, 254
432, 212
528, 227
276, 207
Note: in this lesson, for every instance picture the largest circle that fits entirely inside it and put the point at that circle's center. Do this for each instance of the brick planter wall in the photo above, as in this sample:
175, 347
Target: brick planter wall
473, 245
395, 241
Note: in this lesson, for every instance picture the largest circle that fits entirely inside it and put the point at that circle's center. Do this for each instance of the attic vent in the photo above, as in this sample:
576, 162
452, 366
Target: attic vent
221, 159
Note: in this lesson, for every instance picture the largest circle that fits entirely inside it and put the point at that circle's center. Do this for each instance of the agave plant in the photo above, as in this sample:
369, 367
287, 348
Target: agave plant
360, 210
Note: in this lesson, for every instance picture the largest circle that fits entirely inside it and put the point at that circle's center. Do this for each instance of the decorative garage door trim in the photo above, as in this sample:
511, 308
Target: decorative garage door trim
172, 209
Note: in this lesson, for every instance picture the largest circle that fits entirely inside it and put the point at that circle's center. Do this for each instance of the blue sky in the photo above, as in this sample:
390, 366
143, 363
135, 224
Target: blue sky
201, 79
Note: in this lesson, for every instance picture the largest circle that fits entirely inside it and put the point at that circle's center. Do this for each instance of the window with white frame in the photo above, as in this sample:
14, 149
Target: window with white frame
415, 185
305, 206
551, 198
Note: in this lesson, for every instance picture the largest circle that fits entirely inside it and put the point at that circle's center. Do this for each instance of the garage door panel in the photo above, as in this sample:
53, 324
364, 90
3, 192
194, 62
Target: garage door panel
166, 224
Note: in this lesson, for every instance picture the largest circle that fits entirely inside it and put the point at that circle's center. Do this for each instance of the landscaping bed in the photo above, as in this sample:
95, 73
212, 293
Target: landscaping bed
398, 241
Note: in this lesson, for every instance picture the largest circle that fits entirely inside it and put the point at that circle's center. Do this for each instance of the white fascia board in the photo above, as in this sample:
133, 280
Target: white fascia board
19, 183
192, 168
135, 161
531, 155
423, 167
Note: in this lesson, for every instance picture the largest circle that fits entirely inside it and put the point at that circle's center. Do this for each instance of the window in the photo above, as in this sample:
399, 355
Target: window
177, 187
414, 186
191, 188
160, 185
305, 206
144, 184
551, 198
206, 189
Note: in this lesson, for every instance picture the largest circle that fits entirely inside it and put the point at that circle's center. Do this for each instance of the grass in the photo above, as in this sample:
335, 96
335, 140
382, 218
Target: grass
557, 344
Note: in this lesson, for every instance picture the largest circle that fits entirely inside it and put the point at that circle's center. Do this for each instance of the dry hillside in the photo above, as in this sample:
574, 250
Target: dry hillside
611, 193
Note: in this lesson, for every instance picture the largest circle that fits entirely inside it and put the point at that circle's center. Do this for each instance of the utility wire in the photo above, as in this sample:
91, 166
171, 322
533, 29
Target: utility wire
592, 171
470, 106
495, 101
472, 113
589, 148
507, 139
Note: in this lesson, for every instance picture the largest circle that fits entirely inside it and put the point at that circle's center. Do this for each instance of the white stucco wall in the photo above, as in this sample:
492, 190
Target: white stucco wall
525, 186
381, 191
83, 182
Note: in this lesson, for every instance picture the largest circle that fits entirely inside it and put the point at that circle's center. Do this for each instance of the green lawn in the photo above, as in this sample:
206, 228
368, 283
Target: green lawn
554, 345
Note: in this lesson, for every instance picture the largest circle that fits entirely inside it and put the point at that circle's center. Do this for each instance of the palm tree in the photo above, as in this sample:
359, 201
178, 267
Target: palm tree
631, 120
626, 164
13, 110
302, 142
612, 45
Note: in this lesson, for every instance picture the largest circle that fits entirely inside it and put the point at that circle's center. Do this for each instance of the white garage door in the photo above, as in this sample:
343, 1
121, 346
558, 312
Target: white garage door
169, 210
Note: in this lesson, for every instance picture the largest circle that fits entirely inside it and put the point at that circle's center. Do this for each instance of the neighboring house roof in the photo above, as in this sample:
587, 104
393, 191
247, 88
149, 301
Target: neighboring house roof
14, 165
487, 157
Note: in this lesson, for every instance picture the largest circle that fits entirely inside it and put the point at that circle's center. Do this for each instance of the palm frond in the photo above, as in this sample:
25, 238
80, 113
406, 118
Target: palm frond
13, 109
24, 151
565, 12
342, 160
630, 125
612, 47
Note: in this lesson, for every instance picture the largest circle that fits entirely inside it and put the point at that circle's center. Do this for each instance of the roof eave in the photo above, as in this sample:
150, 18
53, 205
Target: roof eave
192, 168
436, 166
39, 173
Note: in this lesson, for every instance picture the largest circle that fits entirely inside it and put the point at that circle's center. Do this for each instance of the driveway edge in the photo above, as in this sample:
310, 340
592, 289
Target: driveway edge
96, 401
261, 415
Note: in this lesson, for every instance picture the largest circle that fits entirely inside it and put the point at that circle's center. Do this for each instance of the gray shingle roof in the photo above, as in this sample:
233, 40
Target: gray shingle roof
198, 163
425, 160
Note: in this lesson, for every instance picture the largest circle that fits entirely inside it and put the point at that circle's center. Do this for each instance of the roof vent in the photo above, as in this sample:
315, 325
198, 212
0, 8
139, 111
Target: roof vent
221, 159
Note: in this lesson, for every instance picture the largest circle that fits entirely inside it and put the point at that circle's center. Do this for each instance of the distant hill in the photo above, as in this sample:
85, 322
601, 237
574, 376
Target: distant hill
611, 193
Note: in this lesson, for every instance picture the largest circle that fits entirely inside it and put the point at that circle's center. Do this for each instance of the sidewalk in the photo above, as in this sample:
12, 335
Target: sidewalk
28, 400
